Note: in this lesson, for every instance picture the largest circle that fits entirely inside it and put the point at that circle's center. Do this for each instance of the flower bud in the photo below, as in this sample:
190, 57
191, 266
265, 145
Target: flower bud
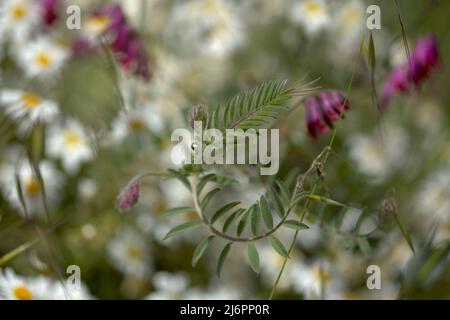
198, 113
129, 195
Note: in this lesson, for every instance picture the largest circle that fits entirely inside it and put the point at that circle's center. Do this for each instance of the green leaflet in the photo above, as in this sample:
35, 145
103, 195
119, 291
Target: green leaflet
204, 203
182, 227
253, 257
231, 219
294, 224
219, 213
265, 211
278, 246
177, 210
222, 258
255, 218
200, 249
254, 108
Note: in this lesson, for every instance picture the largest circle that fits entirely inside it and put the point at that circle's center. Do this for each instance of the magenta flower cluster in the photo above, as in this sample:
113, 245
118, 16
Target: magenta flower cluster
322, 109
124, 42
424, 58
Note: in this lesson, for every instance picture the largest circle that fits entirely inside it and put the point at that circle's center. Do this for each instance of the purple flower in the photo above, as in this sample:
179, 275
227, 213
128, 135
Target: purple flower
129, 195
322, 109
49, 10
123, 41
424, 58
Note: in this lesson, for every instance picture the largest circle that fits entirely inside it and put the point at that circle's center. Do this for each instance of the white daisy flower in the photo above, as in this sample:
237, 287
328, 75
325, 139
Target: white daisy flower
70, 143
211, 26
311, 14
41, 58
31, 187
434, 196
379, 157
27, 108
15, 287
129, 252
18, 18
350, 23
135, 121
168, 286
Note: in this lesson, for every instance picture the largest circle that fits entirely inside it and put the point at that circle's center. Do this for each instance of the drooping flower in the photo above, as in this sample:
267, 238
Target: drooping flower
410, 75
322, 109
129, 195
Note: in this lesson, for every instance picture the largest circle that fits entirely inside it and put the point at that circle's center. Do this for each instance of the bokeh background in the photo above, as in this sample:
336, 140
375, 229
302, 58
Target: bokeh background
96, 114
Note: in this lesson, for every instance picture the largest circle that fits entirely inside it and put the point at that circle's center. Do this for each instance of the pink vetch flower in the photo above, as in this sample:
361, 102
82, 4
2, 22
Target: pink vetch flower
424, 58
50, 10
322, 109
124, 42
129, 195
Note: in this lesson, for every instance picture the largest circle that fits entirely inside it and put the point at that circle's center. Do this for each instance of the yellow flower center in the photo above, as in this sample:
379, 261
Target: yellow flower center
22, 293
32, 187
30, 100
136, 125
18, 12
312, 7
71, 139
97, 24
43, 59
134, 253
353, 15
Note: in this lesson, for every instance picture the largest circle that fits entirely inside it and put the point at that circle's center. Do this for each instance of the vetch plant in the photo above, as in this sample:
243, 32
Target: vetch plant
231, 222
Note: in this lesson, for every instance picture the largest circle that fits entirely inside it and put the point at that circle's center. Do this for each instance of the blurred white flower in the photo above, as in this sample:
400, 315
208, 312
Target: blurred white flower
15, 287
210, 26
135, 121
27, 108
87, 188
175, 193
376, 156
397, 54
222, 292
31, 187
348, 27
309, 279
130, 253
168, 286
433, 196
311, 14
70, 143
41, 57
18, 18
